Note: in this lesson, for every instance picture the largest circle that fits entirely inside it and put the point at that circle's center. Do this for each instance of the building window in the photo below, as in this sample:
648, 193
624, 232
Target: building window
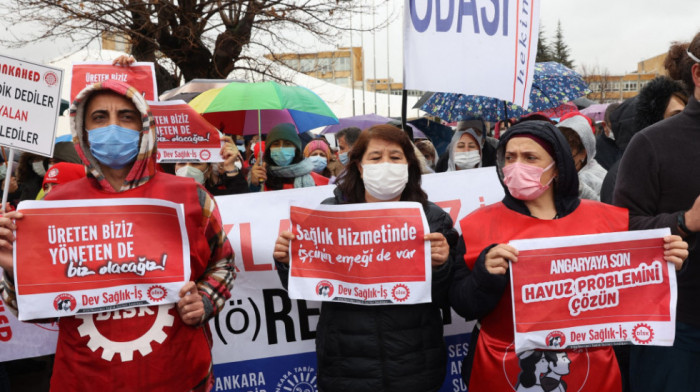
630, 85
307, 65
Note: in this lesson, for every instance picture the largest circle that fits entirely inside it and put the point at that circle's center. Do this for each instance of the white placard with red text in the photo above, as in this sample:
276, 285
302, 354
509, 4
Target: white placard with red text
89, 256
474, 34
30, 100
183, 134
365, 254
139, 75
593, 290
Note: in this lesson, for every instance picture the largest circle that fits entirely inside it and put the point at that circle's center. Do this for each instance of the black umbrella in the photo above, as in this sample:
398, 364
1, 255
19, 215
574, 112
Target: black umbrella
439, 134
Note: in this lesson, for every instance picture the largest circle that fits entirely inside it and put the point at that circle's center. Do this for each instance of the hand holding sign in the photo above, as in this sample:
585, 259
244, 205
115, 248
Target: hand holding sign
439, 248
281, 252
190, 307
497, 258
7, 237
676, 250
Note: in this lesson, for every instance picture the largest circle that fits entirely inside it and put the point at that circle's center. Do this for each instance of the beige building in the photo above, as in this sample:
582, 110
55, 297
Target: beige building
342, 66
613, 88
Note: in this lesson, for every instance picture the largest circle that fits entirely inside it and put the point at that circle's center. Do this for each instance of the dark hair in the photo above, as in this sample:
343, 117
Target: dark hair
679, 65
575, 143
350, 134
527, 376
551, 356
608, 111
350, 182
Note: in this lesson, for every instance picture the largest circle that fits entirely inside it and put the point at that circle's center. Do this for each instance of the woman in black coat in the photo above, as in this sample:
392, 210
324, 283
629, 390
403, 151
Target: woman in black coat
386, 347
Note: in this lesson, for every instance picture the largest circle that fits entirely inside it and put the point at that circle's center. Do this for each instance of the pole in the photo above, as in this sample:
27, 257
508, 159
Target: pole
374, 55
388, 79
352, 68
362, 44
262, 152
404, 109
8, 177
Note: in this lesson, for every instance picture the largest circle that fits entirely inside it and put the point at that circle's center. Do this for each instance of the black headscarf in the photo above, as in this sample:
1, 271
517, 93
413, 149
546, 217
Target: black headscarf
565, 186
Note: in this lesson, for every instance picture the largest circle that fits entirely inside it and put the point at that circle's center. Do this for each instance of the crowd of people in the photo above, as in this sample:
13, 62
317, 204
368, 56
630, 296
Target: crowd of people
636, 169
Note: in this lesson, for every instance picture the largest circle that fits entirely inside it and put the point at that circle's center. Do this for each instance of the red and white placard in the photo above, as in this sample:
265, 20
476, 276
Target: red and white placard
88, 256
593, 290
183, 134
139, 75
367, 254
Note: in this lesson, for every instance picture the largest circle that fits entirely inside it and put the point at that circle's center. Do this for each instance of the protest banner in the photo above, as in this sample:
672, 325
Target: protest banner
30, 100
474, 35
591, 290
89, 256
183, 134
24, 340
353, 253
262, 339
265, 340
139, 75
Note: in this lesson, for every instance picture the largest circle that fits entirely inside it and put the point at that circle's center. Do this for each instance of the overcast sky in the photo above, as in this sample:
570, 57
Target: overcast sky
612, 34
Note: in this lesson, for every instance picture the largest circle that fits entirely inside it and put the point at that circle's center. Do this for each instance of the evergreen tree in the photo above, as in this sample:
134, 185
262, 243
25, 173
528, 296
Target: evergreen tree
560, 49
544, 52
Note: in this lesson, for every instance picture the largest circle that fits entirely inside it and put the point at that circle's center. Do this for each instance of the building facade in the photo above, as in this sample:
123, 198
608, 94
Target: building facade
606, 88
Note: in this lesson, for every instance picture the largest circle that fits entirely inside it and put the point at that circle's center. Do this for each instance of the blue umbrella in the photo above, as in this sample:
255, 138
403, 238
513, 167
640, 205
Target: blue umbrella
553, 84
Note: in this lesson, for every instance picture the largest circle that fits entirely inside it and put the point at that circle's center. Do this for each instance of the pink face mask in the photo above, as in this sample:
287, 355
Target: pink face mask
523, 180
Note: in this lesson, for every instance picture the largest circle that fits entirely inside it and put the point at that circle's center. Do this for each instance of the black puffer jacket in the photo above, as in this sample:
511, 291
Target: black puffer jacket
398, 348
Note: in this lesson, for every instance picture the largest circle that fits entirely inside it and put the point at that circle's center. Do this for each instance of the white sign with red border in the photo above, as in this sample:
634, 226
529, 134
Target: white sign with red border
89, 256
183, 134
591, 290
30, 101
365, 254
139, 75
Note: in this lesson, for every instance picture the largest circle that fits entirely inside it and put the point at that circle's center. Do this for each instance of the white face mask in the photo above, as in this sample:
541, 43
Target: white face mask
238, 165
38, 167
191, 172
385, 181
467, 159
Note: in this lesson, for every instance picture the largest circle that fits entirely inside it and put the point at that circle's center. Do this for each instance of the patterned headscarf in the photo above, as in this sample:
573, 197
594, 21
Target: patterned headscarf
145, 165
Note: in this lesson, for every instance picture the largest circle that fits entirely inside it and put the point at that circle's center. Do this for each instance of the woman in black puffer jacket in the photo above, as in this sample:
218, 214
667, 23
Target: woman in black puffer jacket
389, 347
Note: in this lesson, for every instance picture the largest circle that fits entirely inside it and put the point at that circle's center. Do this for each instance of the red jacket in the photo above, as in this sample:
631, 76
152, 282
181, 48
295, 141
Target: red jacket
136, 349
496, 367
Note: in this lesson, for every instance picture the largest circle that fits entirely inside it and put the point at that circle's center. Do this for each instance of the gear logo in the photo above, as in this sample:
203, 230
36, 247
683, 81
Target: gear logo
324, 288
65, 302
300, 379
126, 349
400, 292
50, 78
156, 293
643, 333
205, 155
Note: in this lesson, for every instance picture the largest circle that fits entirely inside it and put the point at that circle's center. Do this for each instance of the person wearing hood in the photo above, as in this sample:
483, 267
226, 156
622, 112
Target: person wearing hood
283, 163
607, 152
385, 347
660, 99
115, 137
541, 199
578, 131
659, 182
459, 155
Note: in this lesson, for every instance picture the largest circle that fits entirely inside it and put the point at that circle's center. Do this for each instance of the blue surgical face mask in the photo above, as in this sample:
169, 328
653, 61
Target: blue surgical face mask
114, 146
319, 162
343, 158
282, 156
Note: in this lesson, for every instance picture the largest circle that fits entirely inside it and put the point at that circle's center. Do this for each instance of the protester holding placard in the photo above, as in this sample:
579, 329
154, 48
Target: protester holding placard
383, 347
658, 181
283, 164
541, 200
163, 347
222, 178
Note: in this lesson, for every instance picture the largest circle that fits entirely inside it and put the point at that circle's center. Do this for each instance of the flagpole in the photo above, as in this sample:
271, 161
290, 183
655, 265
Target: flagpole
8, 177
